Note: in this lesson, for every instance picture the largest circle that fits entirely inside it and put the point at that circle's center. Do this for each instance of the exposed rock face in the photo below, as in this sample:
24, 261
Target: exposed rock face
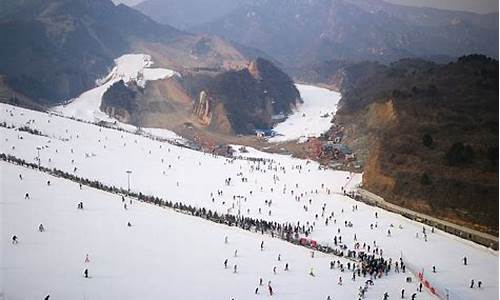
249, 97
202, 109
428, 135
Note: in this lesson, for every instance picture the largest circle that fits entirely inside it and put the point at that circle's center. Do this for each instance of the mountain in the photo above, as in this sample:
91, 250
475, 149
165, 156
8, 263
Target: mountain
231, 102
301, 32
427, 134
52, 50
188, 13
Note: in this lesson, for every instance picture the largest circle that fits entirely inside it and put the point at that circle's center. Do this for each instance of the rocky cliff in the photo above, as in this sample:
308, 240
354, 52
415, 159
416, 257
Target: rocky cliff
248, 97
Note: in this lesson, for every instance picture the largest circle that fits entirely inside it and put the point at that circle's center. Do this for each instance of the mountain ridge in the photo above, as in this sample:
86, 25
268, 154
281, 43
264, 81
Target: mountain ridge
304, 32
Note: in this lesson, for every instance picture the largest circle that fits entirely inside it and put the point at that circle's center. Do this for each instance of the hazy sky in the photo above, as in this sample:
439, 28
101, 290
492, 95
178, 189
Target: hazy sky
480, 6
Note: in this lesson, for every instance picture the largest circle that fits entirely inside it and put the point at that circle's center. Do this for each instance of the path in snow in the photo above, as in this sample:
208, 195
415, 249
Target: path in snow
312, 118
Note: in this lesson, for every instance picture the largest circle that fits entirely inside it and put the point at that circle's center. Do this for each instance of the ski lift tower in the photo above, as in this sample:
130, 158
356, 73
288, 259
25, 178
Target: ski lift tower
128, 181
38, 158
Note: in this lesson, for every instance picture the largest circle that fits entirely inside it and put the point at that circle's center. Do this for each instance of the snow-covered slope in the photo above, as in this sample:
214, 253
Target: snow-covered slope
164, 255
312, 118
128, 67
298, 190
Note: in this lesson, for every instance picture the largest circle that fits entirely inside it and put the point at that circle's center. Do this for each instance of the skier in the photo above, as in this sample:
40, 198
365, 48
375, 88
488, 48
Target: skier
236, 253
402, 293
41, 228
472, 283
270, 290
235, 269
225, 240
479, 284
86, 273
311, 272
27, 196
256, 290
225, 264
420, 287
262, 246
286, 267
260, 281
14, 240
279, 257
46, 297
274, 270
386, 296
87, 259
433, 269
465, 260
413, 296
129, 224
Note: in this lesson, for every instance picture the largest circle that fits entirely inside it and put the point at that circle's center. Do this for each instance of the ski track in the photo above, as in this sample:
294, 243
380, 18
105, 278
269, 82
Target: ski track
309, 119
154, 261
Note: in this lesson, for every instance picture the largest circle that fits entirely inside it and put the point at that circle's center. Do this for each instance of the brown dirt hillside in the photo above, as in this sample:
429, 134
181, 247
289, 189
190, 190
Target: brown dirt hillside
428, 136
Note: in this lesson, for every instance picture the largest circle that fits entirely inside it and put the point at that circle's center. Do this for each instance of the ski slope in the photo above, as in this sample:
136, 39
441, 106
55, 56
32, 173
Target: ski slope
182, 175
312, 118
164, 255
128, 67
